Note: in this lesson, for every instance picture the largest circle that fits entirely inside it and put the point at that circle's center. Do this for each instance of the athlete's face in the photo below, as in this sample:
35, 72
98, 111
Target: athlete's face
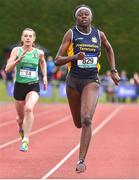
28, 37
83, 18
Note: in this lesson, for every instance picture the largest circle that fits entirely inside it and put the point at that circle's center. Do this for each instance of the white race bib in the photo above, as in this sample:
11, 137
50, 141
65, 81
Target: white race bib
28, 73
88, 62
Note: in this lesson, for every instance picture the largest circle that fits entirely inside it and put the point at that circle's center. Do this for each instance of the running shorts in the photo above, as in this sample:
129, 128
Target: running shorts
22, 89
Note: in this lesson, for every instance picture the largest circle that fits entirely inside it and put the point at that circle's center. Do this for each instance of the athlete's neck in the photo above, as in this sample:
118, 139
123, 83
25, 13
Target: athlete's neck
28, 48
84, 29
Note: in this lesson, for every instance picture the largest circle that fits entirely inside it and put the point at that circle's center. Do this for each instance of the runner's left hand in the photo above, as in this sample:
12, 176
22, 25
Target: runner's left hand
115, 77
44, 82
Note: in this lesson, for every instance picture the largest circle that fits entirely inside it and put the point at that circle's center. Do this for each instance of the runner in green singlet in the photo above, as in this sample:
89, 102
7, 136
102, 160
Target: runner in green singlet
26, 59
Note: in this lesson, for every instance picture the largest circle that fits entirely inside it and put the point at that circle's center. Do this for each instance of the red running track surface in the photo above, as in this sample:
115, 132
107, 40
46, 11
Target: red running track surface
54, 144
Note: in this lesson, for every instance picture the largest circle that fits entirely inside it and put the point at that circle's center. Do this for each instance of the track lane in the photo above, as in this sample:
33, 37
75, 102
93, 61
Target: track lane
48, 147
63, 166
113, 152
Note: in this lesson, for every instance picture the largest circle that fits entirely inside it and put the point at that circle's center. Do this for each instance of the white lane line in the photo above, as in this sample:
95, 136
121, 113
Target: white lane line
99, 127
7, 123
66, 118
6, 111
36, 115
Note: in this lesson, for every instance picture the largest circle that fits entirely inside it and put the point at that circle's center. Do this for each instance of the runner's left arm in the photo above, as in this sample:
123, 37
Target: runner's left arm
43, 66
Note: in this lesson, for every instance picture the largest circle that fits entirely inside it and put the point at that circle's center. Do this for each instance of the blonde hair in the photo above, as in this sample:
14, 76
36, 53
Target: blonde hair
34, 34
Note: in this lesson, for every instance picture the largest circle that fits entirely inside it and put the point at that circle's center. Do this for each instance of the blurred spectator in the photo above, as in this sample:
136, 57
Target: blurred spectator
62, 73
7, 77
51, 68
136, 78
131, 81
136, 82
123, 81
123, 77
3, 74
109, 87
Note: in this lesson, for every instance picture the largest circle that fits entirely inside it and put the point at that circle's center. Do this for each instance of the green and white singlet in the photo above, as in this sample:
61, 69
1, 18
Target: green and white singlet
27, 69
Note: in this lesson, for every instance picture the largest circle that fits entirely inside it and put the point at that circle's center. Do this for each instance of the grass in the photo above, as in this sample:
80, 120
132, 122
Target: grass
53, 99
3, 93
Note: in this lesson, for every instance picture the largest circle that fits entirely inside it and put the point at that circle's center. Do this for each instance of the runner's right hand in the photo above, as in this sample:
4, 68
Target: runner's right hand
22, 55
80, 56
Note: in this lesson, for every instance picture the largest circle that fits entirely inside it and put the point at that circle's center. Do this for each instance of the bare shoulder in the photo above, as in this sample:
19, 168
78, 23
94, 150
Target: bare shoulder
41, 52
105, 41
14, 51
102, 36
41, 55
69, 32
68, 35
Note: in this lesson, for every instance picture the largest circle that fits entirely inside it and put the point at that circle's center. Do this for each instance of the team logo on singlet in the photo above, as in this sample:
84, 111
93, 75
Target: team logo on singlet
34, 55
80, 38
94, 39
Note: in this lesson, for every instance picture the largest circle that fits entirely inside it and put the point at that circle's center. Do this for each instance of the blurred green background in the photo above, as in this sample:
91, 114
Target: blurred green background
52, 18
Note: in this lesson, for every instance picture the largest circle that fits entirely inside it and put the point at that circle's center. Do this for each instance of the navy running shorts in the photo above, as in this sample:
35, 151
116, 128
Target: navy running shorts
78, 84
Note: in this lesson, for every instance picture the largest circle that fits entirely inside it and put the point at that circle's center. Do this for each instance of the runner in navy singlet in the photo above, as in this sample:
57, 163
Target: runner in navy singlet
81, 50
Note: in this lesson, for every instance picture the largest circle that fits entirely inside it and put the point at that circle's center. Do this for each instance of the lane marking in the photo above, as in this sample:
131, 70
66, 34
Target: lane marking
45, 112
64, 119
6, 111
99, 127
7, 123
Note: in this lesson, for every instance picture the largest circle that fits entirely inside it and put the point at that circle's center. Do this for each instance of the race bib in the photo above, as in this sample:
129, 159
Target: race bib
88, 62
28, 72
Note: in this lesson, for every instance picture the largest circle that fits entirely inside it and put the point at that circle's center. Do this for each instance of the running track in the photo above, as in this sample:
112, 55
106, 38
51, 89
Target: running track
54, 144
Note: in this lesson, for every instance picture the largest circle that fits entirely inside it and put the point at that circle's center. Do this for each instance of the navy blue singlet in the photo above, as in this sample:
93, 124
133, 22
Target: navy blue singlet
90, 44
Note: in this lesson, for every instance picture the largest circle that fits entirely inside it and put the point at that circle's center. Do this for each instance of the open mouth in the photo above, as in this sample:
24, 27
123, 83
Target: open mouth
84, 21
